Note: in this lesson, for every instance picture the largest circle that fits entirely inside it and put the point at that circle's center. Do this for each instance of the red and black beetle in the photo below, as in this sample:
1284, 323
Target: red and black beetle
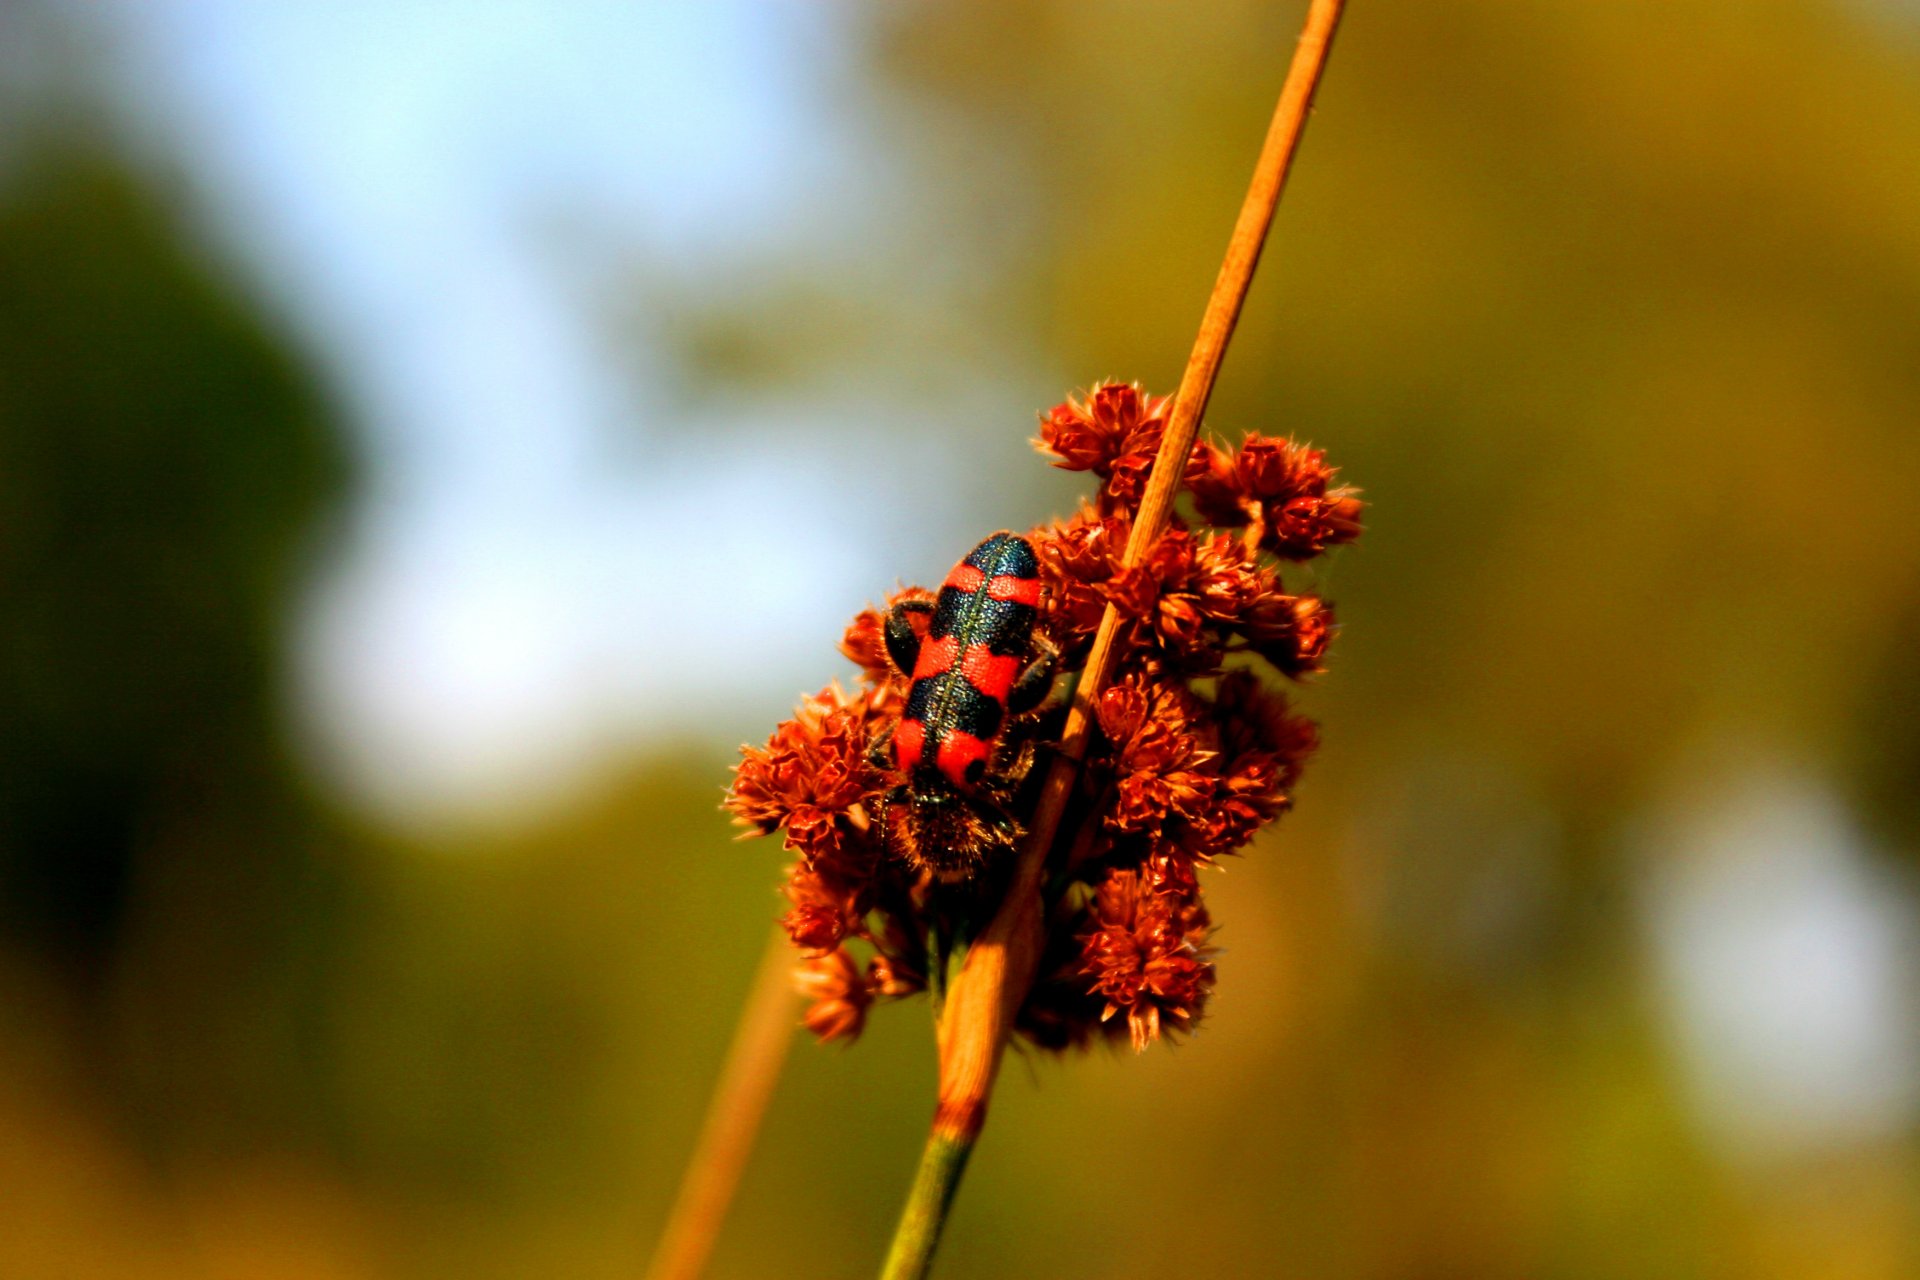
972, 671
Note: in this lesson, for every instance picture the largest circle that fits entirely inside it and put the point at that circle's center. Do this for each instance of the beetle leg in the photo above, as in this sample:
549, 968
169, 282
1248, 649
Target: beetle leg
1013, 759
903, 642
879, 754
1032, 686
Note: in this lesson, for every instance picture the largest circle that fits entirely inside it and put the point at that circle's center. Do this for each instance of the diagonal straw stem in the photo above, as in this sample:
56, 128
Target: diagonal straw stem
739, 1100
992, 983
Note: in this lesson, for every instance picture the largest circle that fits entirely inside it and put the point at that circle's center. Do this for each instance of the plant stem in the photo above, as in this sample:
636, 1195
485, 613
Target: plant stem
939, 956
984, 997
938, 1177
759, 1047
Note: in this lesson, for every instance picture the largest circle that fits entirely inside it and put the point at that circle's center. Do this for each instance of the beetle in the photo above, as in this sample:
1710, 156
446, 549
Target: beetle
974, 665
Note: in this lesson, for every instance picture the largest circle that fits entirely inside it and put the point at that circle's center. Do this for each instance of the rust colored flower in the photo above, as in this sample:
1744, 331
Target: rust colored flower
1078, 558
1228, 582
837, 995
1115, 426
1196, 751
812, 769
1145, 955
1163, 769
1256, 719
1285, 489
824, 910
1291, 632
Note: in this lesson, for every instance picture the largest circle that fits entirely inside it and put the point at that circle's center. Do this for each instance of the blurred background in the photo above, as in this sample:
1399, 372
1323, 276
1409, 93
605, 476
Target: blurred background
433, 436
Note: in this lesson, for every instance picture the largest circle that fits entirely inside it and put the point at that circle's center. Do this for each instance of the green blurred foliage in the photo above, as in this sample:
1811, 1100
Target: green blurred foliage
1609, 310
163, 463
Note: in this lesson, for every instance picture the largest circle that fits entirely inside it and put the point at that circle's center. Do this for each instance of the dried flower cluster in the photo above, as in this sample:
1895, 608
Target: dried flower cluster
1196, 752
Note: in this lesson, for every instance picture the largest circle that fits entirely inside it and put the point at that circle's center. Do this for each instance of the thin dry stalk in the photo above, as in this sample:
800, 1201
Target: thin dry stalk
734, 1112
987, 993
999, 966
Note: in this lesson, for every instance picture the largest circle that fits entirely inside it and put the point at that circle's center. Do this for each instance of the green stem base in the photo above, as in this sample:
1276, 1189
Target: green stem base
914, 1240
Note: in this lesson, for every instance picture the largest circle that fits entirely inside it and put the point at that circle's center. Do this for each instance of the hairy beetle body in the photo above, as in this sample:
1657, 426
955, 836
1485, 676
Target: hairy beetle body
971, 672
974, 649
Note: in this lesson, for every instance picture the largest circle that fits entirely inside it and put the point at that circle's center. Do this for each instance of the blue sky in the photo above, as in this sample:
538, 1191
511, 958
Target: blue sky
440, 198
